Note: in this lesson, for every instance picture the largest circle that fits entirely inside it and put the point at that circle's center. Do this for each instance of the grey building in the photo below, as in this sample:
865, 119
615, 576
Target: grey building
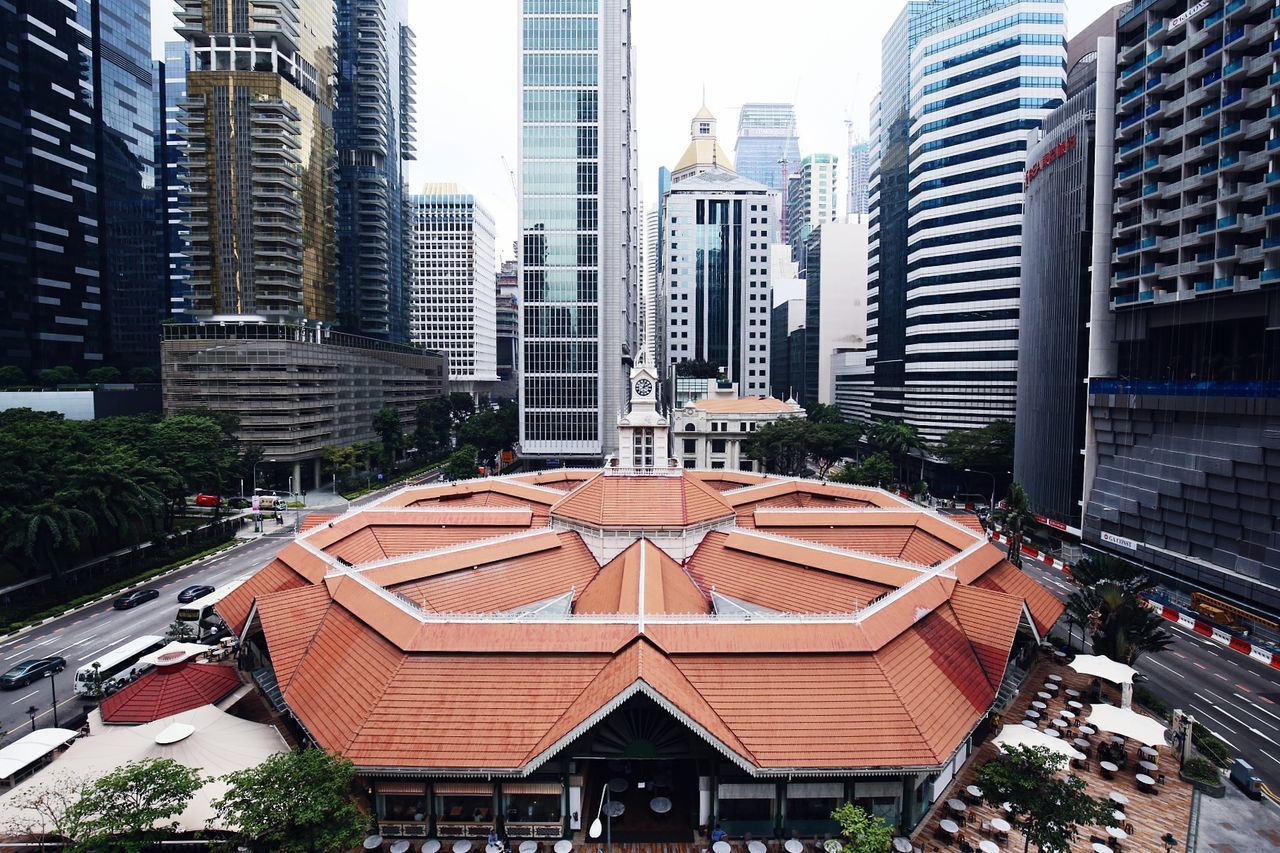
296, 388
785, 319
1053, 306
766, 138
579, 225
171, 170
373, 127
1184, 372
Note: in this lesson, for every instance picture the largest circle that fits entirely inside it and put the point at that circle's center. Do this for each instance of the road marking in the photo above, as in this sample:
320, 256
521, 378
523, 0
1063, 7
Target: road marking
76, 643
1197, 663
1219, 734
1255, 716
20, 698
1163, 666
1245, 689
1220, 675
1181, 655
1223, 725
1269, 755
1263, 710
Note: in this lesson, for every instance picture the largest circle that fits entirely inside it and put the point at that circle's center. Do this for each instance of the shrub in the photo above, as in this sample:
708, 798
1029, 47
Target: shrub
1151, 702
1211, 747
1200, 770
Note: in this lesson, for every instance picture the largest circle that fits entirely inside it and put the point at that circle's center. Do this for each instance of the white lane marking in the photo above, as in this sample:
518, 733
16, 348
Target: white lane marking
1269, 755
1162, 666
107, 648
1222, 725
76, 643
1259, 708
1244, 723
20, 698
1244, 710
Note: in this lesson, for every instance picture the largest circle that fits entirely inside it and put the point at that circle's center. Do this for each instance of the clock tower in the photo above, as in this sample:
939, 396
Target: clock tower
642, 432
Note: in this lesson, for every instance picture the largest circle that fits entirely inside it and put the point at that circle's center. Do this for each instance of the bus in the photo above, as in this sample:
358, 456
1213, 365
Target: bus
99, 676
200, 617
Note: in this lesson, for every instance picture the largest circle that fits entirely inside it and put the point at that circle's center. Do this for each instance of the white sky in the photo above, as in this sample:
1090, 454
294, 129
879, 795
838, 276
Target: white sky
821, 55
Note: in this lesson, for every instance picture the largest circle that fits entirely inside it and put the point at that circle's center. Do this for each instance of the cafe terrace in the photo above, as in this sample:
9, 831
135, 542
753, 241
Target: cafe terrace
682, 647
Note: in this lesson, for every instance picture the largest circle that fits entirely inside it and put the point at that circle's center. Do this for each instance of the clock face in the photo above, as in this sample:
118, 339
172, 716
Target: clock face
644, 388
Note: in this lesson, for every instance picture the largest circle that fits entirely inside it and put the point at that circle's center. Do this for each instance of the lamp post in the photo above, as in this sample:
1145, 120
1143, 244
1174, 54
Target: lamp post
596, 826
53, 694
992, 505
31, 712
255, 471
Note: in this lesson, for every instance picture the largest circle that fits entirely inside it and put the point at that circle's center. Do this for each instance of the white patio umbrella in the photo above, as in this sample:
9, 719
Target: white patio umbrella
1127, 723
1020, 735
1113, 671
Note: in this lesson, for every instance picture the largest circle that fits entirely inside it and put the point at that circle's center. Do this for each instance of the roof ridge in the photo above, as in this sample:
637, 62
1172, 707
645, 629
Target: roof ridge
897, 695
310, 639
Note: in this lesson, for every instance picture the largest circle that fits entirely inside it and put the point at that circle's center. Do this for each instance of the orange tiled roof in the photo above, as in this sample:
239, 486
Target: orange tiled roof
990, 620
315, 519
168, 690
723, 480
631, 502
744, 406
1044, 607
277, 576
644, 578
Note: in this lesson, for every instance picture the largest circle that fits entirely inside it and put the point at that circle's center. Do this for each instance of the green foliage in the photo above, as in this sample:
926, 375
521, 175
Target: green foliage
863, 831
873, 470
824, 413
897, 439
386, 423
1048, 807
697, 368
181, 632
989, 448
781, 447
1201, 771
1211, 746
1109, 605
1153, 703
433, 419
103, 374
461, 464
11, 376
294, 802
1014, 517
142, 375
134, 805
60, 375
462, 405
490, 432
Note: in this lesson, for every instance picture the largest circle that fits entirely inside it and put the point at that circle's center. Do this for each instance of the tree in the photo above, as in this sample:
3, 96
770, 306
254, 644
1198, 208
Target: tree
103, 374
898, 439
461, 464
180, 632
340, 458
1015, 515
45, 810
11, 376
294, 802
874, 470
863, 832
1048, 808
987, 449
823, 413
461, 405
134, 805
781, 447
827, 442
386, 423
433, 423
1109, 605
487, 432
697, 368
60, 375
142, 375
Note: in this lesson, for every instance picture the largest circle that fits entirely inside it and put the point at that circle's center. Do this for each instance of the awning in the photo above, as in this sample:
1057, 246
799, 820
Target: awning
400, 786
471, 789
1128, 723
1104, 667
814, 790
746, 791
1020, 735
532, 788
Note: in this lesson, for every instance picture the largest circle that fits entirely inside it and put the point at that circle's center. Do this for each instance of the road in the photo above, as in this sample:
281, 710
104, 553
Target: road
80, 637
1231, 694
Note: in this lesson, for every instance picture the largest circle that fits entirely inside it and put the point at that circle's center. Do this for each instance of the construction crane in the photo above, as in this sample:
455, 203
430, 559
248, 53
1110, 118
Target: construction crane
511, 176
784, 163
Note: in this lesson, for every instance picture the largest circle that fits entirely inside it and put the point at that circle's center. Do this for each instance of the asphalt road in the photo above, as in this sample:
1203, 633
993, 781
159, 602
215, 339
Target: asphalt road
1231, 694
80, 637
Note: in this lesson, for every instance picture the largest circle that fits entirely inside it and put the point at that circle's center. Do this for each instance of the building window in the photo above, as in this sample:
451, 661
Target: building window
690, 445
717, 445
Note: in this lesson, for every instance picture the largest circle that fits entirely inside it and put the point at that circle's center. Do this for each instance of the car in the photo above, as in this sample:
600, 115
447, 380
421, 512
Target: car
191, 593
31, 670
133, 599
208, 500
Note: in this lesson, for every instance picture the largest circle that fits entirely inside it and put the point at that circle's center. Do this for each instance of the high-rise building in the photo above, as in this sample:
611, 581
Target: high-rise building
787, 293
649, 284
835, 303
171, 170
859, 175
1053, 310
811, 201
452, 299
78, 237
373, 125
1183, 455
508, 325
715, 285
766, 137
962, 81
578, 222
261, 165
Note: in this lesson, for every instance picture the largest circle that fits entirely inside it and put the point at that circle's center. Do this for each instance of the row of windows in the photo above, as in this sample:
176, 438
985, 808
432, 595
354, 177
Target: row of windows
559, 426
995, 26
560, 285
566, 178
564, 142
972, 195
560, 250
991, 110
561, 33
984, 91
965, 296
559, 214
561, 7
546, 321
561, 105
967, 177
561, 356
966, 257
563, 392
560, 69
994, 47
966, 216
1018, 146
980, 133
994, 68
965, 237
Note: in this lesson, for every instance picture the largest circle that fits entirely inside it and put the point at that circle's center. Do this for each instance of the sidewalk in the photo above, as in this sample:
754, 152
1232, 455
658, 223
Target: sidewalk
1237, 824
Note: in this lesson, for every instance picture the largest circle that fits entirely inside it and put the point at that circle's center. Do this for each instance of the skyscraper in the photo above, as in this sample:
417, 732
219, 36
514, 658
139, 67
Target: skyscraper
373, 125
452, 302
811, 200
171, 177
261, 165
859, 175
766, 136
715, 285
578, 224
943, 269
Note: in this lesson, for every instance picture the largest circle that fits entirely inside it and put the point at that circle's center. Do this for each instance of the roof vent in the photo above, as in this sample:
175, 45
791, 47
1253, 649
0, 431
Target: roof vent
175, 733
171, 659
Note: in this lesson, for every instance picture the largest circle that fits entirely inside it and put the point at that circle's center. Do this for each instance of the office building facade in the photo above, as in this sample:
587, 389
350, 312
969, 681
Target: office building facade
766, 137
171, 180
1184, 380
962, 84
373, 125
859, 175
261, 164
835, 303
452, 300
508, 323
811, 201
579, 224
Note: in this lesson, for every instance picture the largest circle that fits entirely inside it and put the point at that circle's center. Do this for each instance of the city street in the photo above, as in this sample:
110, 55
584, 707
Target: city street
1234, 696
80, 637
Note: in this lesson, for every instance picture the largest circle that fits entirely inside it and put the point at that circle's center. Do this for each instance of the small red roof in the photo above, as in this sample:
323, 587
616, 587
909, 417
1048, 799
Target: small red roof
168, 690
617, 501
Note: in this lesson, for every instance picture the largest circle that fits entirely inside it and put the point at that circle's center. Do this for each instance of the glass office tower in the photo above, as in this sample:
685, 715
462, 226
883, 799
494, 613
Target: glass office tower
579, 232
766, 136
171, 171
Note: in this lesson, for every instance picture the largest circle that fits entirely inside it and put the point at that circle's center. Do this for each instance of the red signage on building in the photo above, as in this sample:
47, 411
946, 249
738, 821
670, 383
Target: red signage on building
1049, 156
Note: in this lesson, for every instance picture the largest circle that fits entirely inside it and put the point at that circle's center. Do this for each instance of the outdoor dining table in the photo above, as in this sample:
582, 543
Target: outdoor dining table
721, 847
1044, 696
1067, 715
902, 845
1081, 742
1119, 816
1109, 766
1149, 751
528, 846
793, 845
1144, 779
1117, 797
1032, 713
373, 842
999, 824
462, 845
1060, 723
1117, 833
754, 846
431, 845
1053, 732
1051, 687
564, 845
660, 805
1149, 766
1060, 655
949, 826
1031, 724
492, 848
618, 785
957, 806
1117, 740
1074, 705
1072, 692
1088, 730
988, 846
974, 791
1099, 847
400, 846
1055, 677
1038, 705
614, 808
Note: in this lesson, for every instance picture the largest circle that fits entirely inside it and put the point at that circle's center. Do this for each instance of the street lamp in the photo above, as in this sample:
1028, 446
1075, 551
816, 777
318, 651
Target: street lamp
596, 826
992, 505
31, 712
53, 695
255, 471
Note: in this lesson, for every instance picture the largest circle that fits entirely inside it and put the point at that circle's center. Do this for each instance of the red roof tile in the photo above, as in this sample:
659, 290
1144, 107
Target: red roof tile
628, 580
276, 576
1044, 607
168, 690
631, 502
315, 519
990, 620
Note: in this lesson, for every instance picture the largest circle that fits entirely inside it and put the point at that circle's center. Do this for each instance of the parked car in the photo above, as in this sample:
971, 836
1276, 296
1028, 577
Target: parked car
31, 670
208, 500
191, 593
133, 599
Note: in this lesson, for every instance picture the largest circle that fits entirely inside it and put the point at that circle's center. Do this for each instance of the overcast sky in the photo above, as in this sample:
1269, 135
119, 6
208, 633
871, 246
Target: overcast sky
821, 55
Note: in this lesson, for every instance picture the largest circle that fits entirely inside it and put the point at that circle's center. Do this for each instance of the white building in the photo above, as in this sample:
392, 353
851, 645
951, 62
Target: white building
649, 285
835, 303
709, 431
811, 200
578, 252
452, 301
642, 432
715, 279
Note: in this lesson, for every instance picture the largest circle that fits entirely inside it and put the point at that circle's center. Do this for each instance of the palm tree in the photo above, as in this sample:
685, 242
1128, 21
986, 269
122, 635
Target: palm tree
898, 439
1120, 625
51, 535
1015, 515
